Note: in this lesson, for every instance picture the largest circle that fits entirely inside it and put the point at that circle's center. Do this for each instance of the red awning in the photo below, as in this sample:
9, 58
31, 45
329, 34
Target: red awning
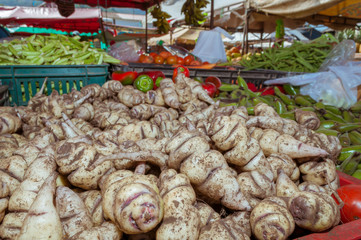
141, 4
82, 20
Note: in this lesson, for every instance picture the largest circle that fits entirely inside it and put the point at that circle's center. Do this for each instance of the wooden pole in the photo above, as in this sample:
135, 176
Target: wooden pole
212, 15
146, 30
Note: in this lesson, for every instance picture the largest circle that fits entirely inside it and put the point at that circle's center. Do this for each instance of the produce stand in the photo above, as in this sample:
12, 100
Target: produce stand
24, 81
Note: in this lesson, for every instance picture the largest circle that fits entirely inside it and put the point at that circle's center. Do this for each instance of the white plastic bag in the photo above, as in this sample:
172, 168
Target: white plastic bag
337, 84
210, 47
125, 51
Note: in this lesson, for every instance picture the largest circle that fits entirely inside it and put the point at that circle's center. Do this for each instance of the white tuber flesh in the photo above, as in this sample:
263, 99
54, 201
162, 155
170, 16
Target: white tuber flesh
42, 220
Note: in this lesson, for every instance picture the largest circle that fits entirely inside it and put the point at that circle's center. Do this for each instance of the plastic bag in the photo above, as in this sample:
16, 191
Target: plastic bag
210, 47
337, 84
125, 51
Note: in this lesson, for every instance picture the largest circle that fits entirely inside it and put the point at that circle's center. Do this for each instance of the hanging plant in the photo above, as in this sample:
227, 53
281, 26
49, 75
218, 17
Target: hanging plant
161, 21
192, 10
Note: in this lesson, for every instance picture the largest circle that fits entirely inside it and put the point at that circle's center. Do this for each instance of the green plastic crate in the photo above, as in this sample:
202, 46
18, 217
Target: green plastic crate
25, 81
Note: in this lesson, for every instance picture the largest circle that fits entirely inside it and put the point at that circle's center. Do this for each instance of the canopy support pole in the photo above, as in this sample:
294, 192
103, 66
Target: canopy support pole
146, 30
212, 15
103, 31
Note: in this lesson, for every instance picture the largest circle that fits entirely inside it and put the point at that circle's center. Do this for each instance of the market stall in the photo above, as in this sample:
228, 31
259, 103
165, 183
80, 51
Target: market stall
171, 147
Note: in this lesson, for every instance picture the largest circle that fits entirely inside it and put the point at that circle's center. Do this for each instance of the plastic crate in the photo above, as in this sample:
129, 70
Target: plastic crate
348, 231
25, 81
225, 74
4, 95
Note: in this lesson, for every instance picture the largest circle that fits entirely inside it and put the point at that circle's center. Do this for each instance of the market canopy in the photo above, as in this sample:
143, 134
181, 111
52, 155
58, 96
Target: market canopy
140, 4
82, 20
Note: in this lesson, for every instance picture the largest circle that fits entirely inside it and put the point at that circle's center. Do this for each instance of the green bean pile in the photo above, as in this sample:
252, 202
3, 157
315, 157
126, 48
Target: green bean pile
299, 57
52, 50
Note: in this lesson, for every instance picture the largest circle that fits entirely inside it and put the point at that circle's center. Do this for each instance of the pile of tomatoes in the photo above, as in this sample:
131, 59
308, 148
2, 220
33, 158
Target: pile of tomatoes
166, 57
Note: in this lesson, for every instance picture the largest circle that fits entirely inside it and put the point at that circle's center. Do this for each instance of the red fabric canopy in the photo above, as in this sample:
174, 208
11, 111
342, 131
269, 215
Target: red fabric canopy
82, 20
140, 4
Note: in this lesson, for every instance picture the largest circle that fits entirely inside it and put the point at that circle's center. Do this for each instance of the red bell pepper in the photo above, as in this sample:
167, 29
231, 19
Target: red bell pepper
252, 87
126, 78
267, 91
157, 76
180, 69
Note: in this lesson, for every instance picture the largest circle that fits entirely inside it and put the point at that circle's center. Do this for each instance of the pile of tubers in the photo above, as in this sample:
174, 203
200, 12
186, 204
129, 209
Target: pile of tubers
112, 162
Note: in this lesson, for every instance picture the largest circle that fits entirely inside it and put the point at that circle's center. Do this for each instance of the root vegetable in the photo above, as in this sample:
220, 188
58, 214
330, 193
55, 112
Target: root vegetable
8, 145
132, 201
271, 219
235, 226
181, 219
93, 202
285, 187
167, 115
113, 86
94, 91
145, 111
106, 231
267, 118
169, 93
74, 216
316, 212
73, 158
256, 186
319, 172
197, 90
137, 131
284, 162
9, 123
169, 128
155, 97
85, 112
207, 214
272, 141
198, 114
42, 220
307, 119
25, 194
311, 187
207, 169
131, 97
229, 134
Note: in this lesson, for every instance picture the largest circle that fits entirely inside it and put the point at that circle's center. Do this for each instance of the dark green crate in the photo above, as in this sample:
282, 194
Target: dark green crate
25, 81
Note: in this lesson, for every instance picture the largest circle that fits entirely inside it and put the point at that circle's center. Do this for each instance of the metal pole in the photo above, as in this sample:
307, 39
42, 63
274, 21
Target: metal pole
212, 15
146, 30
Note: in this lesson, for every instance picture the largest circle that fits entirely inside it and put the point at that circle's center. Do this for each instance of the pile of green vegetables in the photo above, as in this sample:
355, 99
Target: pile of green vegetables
299, 57
52, 50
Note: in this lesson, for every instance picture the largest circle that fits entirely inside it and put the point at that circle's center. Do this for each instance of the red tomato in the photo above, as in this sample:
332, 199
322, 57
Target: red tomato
210, 88
158, 59
165, 54
180, 60
188, 59
351, 196
153, 54
172, 60
216, 81
195, 63
142, 58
